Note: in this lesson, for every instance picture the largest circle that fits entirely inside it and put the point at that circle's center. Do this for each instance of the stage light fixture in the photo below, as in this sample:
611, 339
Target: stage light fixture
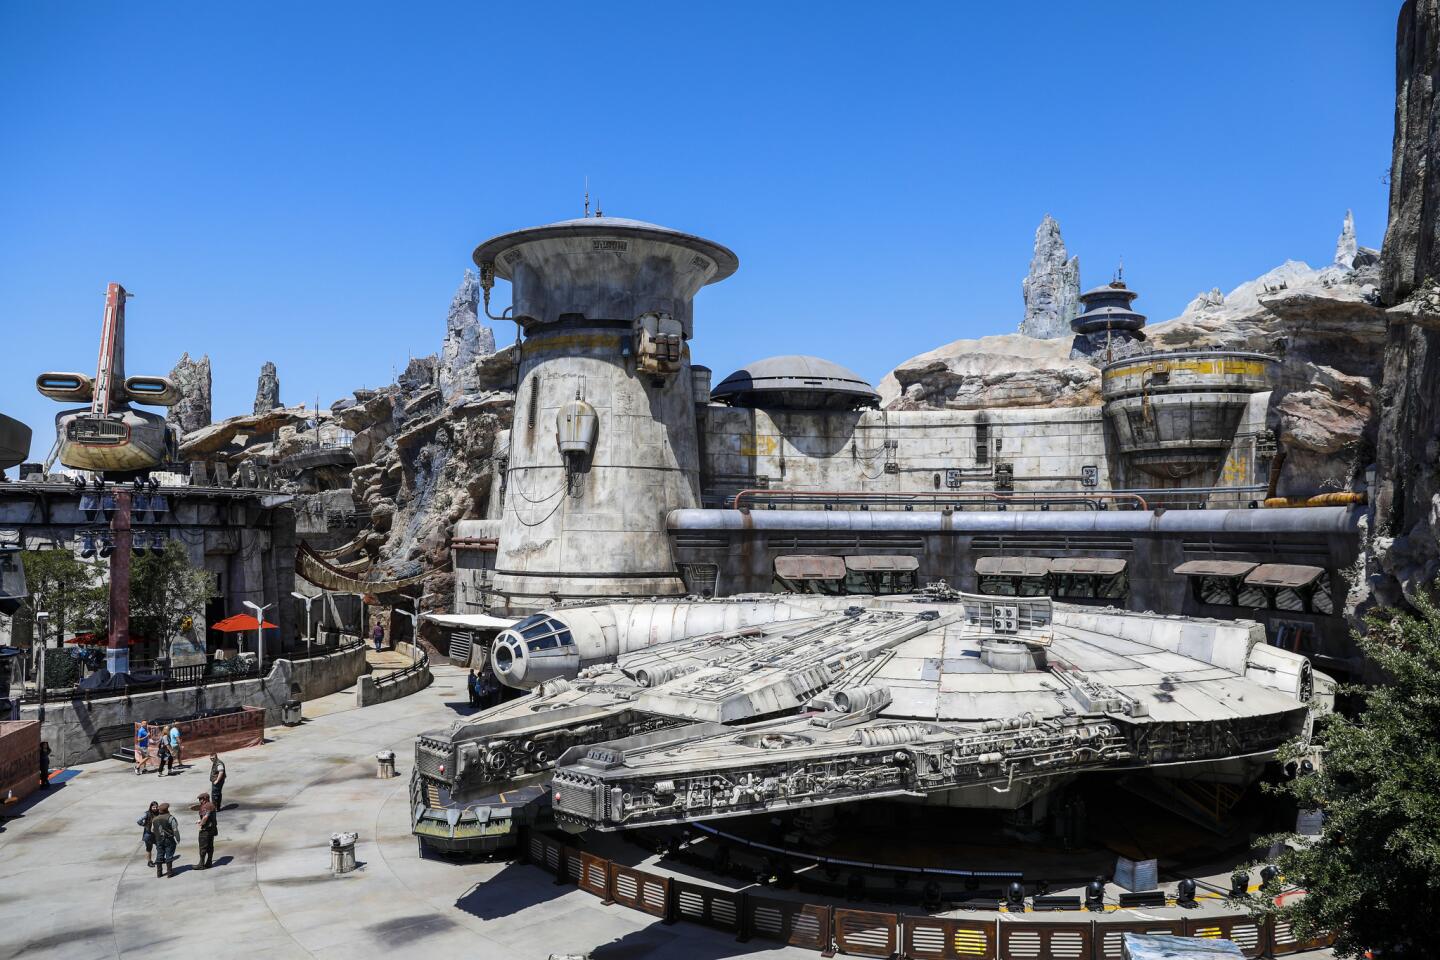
1239, 884
1185, 893
1015, 897
1095, 894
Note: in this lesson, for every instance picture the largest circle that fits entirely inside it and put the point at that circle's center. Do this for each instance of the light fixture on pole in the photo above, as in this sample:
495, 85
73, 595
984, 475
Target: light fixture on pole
42, 617
259, 633
414, 634
307, 601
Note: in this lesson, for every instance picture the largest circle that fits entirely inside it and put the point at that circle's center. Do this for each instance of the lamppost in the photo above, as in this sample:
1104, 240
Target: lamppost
42, 617
259, 631
307, 601
363, 634
414, 635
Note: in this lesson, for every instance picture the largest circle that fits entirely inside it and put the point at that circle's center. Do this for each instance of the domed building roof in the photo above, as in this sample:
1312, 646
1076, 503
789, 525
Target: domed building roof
795, 382
493, 250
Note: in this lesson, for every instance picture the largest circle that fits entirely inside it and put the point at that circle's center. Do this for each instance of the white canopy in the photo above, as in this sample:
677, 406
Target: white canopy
482, 621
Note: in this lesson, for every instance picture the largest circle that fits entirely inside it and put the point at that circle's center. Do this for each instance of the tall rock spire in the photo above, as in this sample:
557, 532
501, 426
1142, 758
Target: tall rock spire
193, 379
267, 389
1052, 288
466, 338
1345, 246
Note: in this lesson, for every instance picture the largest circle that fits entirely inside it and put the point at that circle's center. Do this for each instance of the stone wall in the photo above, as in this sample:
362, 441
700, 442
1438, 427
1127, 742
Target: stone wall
72, 727
1407, 498
370, 691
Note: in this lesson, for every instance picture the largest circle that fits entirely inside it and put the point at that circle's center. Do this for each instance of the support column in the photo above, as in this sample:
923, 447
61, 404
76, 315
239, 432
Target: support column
117, 651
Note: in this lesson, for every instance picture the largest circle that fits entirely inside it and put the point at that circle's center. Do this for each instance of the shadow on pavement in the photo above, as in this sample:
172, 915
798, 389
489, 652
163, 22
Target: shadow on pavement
515, 888
658, 940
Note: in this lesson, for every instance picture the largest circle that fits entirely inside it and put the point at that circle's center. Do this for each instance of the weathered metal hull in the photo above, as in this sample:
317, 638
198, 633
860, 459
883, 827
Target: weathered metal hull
964, 700
14, 442
126, 442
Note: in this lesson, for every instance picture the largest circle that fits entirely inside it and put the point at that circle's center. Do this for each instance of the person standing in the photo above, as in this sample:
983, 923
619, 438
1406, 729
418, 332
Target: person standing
173, 733
378, 635
472, 685
147, 834
167, 837
166, 758
142, 747
44, 764
206, 830
217, 780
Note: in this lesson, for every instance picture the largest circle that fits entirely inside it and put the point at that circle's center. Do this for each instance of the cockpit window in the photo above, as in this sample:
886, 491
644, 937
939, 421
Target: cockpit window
544, 633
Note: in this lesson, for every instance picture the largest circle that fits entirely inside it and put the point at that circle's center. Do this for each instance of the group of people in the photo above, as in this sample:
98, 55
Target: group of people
160, 830
484, 690
167, 748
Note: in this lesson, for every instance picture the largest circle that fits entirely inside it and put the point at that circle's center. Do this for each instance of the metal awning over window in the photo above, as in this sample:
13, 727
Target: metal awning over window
1104, 566
1012, 566
810, 567
882, 564
1293, 575
1214, 568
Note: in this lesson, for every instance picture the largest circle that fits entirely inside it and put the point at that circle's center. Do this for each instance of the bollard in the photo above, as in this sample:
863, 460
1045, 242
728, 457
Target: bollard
386, 764
342, 852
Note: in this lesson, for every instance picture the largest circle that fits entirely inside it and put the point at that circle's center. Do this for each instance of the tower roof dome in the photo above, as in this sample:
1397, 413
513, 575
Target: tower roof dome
795, 382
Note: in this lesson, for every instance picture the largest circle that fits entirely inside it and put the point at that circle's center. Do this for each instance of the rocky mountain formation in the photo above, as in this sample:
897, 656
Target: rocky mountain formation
1051, 289
192, 377
1406, 554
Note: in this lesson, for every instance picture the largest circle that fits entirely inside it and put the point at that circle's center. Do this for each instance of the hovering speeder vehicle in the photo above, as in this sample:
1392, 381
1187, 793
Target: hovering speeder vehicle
110, 436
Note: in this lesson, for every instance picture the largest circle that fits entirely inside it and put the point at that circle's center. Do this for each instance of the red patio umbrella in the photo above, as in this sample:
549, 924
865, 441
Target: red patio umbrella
240, 623
98, 640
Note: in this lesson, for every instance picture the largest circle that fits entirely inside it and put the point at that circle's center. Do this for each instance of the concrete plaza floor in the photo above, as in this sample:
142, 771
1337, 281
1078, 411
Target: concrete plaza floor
74, 885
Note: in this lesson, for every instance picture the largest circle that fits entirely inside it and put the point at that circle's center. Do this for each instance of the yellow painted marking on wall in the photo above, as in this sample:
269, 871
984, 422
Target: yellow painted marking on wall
1251, 368
570, 341
759, 446
1236, 471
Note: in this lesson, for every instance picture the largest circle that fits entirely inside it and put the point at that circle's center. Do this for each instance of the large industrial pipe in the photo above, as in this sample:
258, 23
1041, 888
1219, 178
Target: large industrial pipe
1030, 496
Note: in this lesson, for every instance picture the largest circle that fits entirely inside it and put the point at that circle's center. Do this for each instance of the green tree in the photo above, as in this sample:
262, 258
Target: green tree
1373, 874
164, 591
71, 591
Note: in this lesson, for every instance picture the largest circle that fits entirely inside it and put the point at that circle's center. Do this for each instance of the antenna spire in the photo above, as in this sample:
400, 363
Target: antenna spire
587, 196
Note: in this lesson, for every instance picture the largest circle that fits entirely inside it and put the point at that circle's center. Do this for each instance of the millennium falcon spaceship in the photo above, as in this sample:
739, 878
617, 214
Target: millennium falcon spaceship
970, 701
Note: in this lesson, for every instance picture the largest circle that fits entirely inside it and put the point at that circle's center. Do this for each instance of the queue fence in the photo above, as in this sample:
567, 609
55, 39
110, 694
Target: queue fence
872, 933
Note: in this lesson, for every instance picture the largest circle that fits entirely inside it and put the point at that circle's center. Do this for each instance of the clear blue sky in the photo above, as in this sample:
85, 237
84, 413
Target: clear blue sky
304, 182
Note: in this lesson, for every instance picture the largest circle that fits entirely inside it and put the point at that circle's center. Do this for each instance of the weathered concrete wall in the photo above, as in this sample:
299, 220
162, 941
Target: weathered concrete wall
369, 691
246, 540
72, 727
599, 531
917, 451
900, 451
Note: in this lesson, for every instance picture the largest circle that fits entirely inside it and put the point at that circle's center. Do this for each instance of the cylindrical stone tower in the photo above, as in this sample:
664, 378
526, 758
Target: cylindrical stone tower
605, 305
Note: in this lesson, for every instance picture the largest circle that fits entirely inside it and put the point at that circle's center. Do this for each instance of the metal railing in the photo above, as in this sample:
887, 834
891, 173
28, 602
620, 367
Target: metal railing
421, 663
177, 678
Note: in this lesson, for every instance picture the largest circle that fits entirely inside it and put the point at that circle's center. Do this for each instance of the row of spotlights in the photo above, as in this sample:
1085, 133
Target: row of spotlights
103, 544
